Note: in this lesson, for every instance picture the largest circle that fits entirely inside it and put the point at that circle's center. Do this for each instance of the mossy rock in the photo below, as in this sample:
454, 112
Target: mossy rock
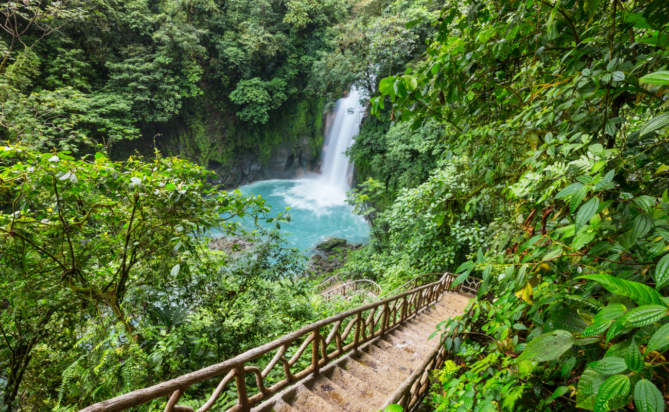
331, 244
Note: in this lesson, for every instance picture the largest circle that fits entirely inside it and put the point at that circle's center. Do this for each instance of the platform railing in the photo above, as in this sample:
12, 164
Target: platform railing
328, 282
327, 340
413, 283
353, 286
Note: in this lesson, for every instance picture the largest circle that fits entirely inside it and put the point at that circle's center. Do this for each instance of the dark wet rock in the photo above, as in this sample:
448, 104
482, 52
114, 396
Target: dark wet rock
331, 244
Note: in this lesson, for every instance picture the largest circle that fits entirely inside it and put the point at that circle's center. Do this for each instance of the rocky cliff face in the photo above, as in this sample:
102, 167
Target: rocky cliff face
289, 160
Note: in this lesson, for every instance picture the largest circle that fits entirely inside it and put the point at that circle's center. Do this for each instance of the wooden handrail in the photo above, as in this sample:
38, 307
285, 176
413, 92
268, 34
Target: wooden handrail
410, 284
355, 285
383, 315
329, 281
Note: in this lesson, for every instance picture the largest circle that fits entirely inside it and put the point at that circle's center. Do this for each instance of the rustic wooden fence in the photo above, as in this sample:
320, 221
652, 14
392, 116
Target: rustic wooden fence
363, 285
327, 340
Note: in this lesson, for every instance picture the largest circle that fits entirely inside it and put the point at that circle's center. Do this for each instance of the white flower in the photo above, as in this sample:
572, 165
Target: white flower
54, 159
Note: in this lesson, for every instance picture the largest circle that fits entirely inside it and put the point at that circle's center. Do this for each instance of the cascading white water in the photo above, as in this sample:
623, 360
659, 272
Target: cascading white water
318, 203
336, 168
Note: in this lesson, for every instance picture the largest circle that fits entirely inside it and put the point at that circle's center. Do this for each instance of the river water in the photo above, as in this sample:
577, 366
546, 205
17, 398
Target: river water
317, 203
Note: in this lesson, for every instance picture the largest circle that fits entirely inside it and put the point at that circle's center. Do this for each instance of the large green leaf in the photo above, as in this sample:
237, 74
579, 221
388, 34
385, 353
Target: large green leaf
461, 278
569, 190
611, 312
638, 292
566, 319
645, 315
582, 239
660, 340
609, 365
386, 85
647, 397
646, 203
642, 225
660, 78
577, 198
619, 327
616, 386
469, 265
662, 273
619, 349
654, 124
588, 385
586, 212
547, 346
634, 358
597, 328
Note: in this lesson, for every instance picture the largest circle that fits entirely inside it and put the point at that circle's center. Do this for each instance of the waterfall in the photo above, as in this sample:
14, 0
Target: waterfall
337, 171
318, 202
320, 193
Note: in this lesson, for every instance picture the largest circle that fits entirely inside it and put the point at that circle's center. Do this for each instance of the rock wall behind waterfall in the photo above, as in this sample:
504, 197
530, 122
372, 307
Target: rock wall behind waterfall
287, 146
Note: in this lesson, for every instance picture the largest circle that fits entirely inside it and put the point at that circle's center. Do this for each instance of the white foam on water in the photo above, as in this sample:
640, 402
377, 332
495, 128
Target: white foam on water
318, 203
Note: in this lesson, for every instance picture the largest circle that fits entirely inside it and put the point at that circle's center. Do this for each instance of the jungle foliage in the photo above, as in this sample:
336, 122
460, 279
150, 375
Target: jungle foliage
108, 284
555, 159
203, 79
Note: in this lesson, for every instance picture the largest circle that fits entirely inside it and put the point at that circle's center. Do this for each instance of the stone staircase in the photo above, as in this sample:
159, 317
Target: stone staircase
359, 360
364, 380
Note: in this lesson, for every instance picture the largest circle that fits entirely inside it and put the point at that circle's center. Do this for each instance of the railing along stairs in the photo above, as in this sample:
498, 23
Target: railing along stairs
356, 286
320, 347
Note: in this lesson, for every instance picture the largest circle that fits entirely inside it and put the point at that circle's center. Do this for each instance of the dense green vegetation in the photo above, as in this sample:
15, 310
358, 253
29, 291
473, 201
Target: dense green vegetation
550, 186
107, 283
202, 79
521, 143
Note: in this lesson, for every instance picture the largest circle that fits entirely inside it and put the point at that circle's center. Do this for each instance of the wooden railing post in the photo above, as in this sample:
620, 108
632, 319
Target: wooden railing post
356, 336
384, 319
314, 350
242, 395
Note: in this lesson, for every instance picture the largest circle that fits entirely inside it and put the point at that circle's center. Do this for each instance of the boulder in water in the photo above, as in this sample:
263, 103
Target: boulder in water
330, 244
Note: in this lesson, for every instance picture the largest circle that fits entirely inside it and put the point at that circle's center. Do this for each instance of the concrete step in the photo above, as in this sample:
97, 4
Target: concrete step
400, 340
407, 355
306, 401
380, 367
281, 406
397, 365
419, 327
357, 387
337, 396
376, 377
421, 339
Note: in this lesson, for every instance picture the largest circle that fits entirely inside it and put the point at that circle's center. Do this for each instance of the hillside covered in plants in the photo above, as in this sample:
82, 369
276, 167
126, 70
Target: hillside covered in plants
521, 144
528, 148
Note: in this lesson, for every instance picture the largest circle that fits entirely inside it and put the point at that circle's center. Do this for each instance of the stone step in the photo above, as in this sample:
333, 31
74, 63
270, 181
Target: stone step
376, 377
306, 401
337, 396
419, 327
418, 338
398, 365
409, 356
380, 367
281, 406
400, 340
357, 387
